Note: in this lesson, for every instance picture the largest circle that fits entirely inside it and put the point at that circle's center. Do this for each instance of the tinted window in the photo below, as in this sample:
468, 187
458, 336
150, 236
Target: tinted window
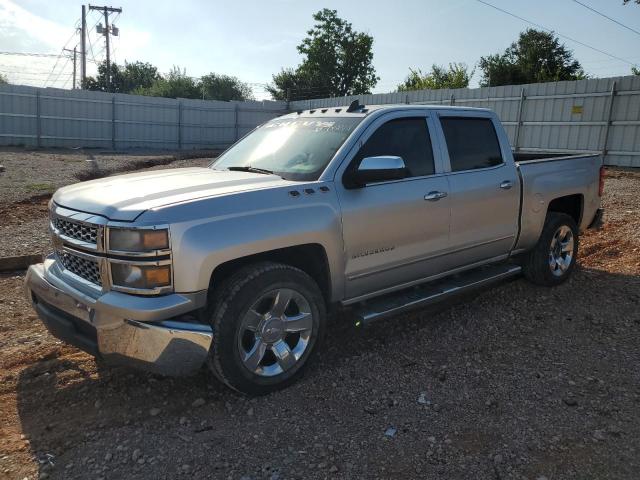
472, 143
404, 137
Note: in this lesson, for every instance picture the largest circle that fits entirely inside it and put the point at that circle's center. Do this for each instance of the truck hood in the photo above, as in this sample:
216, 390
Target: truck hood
125, 197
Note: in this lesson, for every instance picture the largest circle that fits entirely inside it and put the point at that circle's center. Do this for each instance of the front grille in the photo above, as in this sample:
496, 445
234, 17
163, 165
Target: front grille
75, 230
83, 267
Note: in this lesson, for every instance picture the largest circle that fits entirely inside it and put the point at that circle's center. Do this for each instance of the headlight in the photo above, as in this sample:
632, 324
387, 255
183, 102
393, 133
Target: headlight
138, 240
140, 276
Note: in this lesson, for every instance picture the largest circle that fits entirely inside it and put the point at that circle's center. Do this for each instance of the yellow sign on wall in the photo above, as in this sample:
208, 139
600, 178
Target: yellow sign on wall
576, 110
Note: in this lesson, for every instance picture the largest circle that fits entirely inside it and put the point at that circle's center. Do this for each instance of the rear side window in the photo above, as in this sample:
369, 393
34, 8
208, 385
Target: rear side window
472, 143
403, 137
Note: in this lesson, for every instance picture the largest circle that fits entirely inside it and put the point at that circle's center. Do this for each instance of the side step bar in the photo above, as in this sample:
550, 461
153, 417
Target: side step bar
431, 292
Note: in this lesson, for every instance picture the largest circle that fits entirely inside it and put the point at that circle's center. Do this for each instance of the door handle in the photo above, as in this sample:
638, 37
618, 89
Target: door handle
434, 196
506, 185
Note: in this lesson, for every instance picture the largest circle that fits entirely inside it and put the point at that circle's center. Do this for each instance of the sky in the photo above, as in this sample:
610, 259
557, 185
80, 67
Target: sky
253, 39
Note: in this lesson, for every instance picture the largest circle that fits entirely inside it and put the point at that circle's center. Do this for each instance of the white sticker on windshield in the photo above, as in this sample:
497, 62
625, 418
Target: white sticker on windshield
325, 125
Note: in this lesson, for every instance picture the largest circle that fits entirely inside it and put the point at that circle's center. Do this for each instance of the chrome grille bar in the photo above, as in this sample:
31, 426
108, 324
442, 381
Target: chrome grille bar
75, 230
82, 266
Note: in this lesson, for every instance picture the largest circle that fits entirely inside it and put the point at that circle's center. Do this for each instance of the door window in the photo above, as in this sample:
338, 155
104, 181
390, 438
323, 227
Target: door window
472, 143
407, 138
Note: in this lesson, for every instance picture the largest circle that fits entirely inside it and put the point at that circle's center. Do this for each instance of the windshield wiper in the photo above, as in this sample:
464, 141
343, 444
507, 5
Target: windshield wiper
249, 168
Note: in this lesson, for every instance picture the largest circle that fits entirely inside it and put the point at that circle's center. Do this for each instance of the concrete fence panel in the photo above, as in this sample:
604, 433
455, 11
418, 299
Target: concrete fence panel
47, 117
593, 115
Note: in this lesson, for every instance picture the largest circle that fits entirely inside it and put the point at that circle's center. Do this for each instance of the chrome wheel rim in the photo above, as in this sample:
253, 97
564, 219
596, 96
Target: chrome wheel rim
561, 251
275, 332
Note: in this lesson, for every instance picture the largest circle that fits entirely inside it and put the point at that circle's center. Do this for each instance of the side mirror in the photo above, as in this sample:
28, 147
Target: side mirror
378, 169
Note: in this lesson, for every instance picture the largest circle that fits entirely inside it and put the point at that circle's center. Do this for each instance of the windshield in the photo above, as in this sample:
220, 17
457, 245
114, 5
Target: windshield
294, 148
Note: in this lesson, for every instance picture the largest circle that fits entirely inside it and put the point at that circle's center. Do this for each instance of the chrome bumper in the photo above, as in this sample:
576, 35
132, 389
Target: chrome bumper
121, 328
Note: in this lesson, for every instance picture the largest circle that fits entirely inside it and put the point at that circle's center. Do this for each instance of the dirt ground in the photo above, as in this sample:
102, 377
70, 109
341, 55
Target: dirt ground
513, 382
30, 177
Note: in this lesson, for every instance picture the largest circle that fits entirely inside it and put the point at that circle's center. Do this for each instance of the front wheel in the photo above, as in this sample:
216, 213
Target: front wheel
553, 258
267, 322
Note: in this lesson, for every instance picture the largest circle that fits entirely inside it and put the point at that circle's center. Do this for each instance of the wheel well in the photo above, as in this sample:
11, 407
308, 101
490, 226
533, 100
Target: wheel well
571, 205
310, 258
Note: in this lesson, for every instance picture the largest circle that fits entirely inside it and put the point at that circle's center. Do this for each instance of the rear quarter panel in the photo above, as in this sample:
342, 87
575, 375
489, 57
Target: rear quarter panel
543, 181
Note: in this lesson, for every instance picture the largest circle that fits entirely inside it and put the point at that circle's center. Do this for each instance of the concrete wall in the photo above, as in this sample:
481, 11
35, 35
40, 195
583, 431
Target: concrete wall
48, 117
599, 115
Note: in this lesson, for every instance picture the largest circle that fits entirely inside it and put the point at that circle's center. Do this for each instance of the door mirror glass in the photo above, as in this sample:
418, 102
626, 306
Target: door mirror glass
379, 169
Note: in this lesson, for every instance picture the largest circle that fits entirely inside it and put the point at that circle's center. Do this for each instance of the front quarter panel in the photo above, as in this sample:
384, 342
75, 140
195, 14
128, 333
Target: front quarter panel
208, 233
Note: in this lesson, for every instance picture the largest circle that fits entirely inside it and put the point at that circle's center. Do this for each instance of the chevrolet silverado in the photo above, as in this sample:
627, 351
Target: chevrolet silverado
380, 208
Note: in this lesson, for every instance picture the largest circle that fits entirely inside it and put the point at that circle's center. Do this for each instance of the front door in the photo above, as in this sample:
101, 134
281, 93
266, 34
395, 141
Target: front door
395, 231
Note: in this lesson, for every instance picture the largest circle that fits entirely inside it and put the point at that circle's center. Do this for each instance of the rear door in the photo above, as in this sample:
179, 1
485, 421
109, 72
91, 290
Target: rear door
392, 234
485, 189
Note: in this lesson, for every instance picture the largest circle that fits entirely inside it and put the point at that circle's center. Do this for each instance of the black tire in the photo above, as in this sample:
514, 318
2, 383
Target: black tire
536, 264
233, 300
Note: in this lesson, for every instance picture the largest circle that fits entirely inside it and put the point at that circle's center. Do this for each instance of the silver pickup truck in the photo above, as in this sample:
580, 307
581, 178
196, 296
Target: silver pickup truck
380, 208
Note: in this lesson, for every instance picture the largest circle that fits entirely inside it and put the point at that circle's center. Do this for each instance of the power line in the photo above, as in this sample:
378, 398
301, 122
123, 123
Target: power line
552, 31
62, 53
607, 17
606, 60
29, 74
113, 45
34, 78
53, 69
14, 68
64, 85
93, 56
28, 54
61, 70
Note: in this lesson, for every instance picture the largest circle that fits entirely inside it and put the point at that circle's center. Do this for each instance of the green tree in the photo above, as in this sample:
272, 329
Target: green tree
3, 79
337, 61
99, 82
456, 76
224, 87
500, 69
136, 75
635, 70
537, 56
290, 84
176, 84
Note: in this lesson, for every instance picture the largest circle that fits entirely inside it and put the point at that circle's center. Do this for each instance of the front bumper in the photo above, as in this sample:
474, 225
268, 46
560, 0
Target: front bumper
121, 328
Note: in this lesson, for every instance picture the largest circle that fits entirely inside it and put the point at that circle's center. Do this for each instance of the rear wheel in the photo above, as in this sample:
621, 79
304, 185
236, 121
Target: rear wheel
267, 322
553, 258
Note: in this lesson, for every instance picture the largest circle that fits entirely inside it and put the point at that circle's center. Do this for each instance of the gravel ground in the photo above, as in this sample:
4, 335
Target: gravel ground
23, 204
513, 382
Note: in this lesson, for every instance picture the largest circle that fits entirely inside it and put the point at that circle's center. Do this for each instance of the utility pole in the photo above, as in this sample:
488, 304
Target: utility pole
75, 58
75, 54
107, 31
83, 48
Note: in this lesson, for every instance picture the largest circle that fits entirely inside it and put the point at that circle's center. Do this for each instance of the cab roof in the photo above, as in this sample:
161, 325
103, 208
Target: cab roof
361, 110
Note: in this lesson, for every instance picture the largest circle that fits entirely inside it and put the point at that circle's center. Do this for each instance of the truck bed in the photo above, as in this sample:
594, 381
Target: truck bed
547, 176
